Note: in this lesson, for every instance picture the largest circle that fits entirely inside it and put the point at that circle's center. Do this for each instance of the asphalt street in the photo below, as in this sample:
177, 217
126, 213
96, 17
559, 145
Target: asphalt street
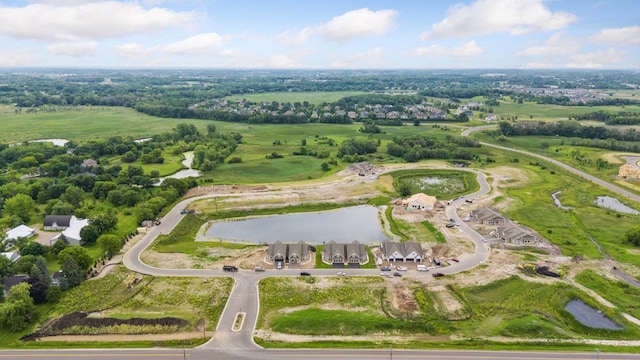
230, 343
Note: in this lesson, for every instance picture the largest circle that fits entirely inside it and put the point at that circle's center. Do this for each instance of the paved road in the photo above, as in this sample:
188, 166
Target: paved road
570, 169
244, 295
231, 344
323, 354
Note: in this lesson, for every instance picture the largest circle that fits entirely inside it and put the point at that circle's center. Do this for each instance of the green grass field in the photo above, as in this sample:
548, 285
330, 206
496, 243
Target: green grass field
315, 98
551, 112
512, 308
83, 124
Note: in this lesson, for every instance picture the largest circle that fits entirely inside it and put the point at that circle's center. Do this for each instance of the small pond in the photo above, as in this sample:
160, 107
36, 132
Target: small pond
182, 174
341, 225
55, 142
588, 316
614, 204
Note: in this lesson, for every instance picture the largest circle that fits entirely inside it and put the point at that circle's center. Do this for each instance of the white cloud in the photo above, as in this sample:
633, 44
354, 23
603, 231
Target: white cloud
556, 44
75, 49
359, 23
293, 38
282, 61
597, 59
629, 35
365, 59
196, 44
131, 51
94, 20
539, 65
468, 49
18, 57
496, 16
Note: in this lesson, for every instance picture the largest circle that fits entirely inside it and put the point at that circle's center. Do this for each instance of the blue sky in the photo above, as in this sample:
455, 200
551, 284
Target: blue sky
328, 34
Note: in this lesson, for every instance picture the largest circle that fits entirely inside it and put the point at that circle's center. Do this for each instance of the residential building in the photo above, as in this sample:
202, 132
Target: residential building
420, 201
398, 251
21, 231
513, 234
488, 216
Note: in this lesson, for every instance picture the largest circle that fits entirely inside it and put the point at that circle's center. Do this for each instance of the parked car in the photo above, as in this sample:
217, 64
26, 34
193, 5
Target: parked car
397, 274
438, 274
385, 268
341, 273
466, 219
469, 201
305, 273
259, 268
384, 273
230, 268
450, 225
402, 268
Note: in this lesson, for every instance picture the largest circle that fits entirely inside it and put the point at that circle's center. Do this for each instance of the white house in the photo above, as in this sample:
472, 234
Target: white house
11, 255
22, 231
420, 201
72, 233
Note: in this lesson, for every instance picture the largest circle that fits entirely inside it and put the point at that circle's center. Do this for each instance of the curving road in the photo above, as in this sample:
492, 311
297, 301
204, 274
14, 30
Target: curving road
230, 344
244, 295
564, 166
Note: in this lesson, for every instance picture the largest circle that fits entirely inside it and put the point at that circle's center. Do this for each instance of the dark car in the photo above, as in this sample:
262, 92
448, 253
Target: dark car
259, 268
450, 225
397, 274
469, 201
385, 268
305, 273
438, 274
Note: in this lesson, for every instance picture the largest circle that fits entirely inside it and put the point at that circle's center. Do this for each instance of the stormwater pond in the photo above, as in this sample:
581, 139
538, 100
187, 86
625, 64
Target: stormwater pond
361, 223
615, 204
588, 316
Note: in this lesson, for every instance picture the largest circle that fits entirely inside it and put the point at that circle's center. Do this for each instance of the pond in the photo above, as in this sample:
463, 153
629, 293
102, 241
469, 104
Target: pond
183, 174
588, 316
55, 142
341, 225
614, 204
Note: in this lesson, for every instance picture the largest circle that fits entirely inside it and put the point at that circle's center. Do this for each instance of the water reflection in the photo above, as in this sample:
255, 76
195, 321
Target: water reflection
341, 225
614, 204
588, 316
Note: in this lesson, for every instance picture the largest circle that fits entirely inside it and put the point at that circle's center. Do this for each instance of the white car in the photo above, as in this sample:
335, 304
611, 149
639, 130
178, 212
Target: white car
402, 268
384, 273
342, 273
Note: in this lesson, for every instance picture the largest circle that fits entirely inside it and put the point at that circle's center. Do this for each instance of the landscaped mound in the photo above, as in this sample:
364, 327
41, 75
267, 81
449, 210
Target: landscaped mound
79, 323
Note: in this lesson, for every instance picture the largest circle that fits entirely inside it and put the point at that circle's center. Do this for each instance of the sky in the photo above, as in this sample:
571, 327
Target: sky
326, 34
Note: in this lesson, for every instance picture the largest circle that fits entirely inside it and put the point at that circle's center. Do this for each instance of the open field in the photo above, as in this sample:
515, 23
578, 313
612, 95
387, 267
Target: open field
373, 309
551, 112
83, 123
316, 97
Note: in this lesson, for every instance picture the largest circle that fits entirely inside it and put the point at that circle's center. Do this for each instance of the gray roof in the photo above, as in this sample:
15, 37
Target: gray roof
512, 231
61, 220
484, 214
